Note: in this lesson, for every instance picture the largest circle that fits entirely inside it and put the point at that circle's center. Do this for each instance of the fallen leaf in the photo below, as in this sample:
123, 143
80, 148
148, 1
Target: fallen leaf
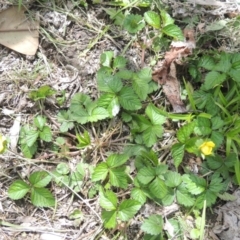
18, 32
166, 75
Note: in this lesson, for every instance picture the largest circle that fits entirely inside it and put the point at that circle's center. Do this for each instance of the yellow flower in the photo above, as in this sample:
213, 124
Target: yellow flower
3, 144
207, 147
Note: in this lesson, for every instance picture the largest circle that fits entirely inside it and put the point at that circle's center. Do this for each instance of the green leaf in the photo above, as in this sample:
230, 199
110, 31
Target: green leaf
18, 189
128, 208
217, 138
133, 23
79, 99
118, 177
80, 116
27, 151
124, 74
216, 185
108, 200
146, 175
151, 134
154, 115
31, 137
203, 126
194, 184
153, 225
140, 86
177, 152
158, 188
106, 58
184, 133
97, 114
64, 118
46, 134
173, 179
42, 93
40, 179
109, 219
139, 195
110, 102
173, 31
128, 99
119, 62
83, 140
166, 18
63, 168
224, 63
42, 197
100, 172
111, 84
168, 198
39, 122
183, 196
153, 19
207, 62
213, 79
116, 160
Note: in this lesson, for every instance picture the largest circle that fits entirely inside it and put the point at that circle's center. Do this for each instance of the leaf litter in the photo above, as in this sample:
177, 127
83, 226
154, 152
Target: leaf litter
166, 75
18, 32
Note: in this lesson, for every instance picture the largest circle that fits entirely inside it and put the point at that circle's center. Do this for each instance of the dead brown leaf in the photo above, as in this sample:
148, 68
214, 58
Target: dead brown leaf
17, 32
166, 75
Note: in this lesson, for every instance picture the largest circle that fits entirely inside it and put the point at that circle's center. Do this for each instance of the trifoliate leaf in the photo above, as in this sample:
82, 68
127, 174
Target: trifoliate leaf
39, 122
109, 219
127, 209
40, 179
154, 115
118, 177
173, 179
100, 172
173, 31
119, 62
152, 18
158, 188
177, 152
18, 189
42, 197
116, 160
97, 114
217, 123
153, 225
108, 200
133, 23
128, 99
80, 115
203, 126
46, 134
